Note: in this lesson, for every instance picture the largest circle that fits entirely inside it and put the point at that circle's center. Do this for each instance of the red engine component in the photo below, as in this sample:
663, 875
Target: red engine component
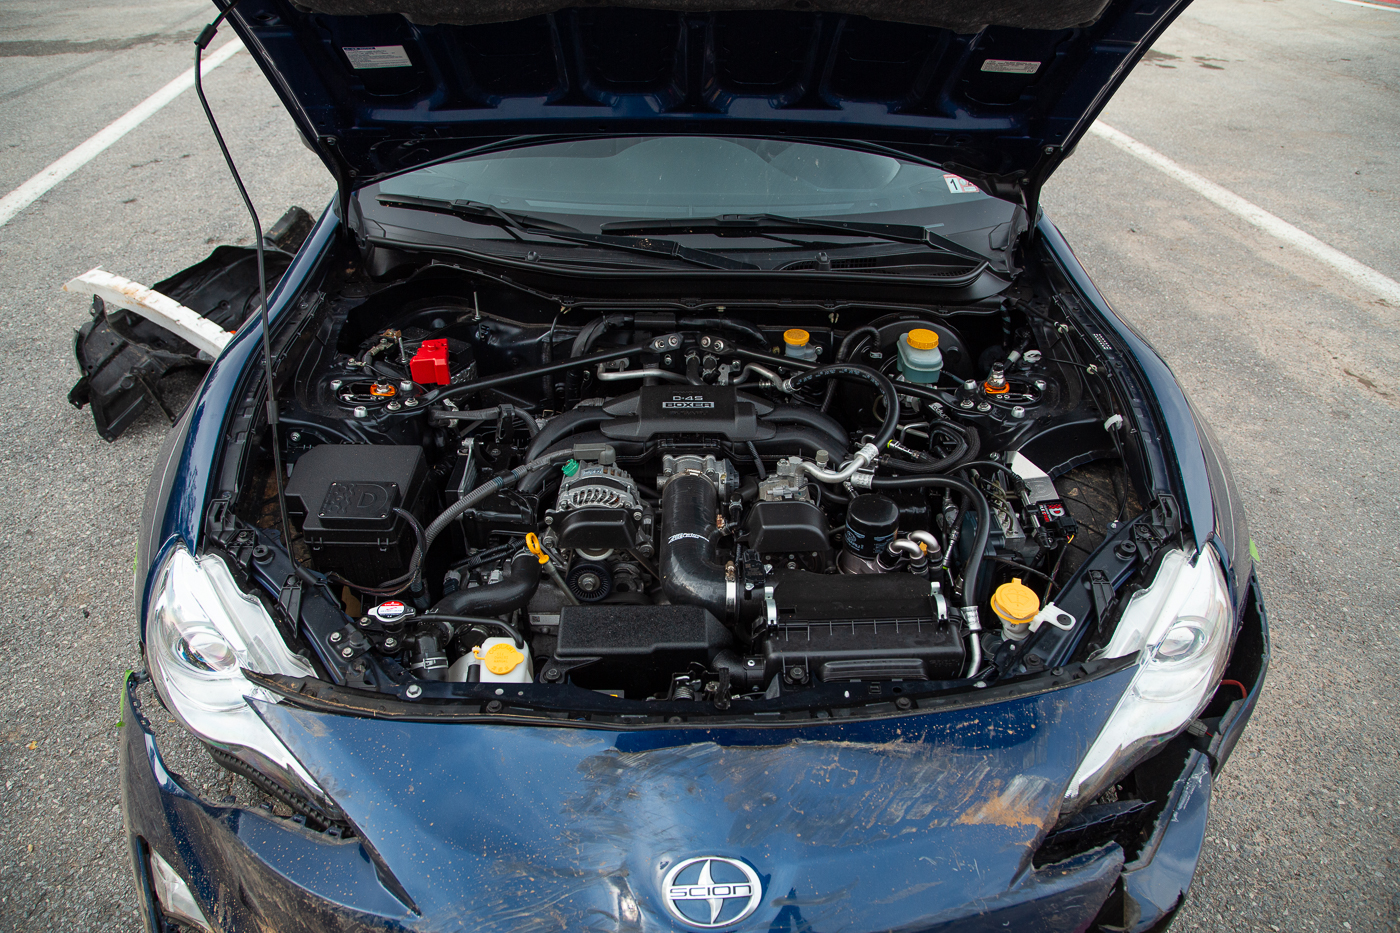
429, 364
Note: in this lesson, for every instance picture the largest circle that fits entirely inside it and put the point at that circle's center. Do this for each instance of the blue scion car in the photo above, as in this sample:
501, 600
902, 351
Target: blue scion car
696, 489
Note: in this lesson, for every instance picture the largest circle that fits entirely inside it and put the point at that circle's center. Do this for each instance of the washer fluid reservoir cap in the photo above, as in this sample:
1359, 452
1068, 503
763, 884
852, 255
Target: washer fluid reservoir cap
1015, 602
500, 658
921, 338
796, 337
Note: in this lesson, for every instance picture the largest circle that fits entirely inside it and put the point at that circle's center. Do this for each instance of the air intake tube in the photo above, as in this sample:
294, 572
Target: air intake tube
691, 571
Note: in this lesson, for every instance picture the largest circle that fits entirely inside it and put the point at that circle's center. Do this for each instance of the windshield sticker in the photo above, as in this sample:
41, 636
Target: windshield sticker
959, 185
1006, 67
377, 56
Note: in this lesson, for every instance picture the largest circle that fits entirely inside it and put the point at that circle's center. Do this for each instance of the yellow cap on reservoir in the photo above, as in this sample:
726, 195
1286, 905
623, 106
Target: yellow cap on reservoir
1015, 602
797, 337
921, 338
501, 658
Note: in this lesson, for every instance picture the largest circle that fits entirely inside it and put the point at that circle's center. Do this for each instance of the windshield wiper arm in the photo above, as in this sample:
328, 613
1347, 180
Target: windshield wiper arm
515, 223
739, 223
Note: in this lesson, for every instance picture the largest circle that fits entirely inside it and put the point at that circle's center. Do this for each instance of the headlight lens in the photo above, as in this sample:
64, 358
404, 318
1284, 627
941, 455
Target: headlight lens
1181, 624
201, 631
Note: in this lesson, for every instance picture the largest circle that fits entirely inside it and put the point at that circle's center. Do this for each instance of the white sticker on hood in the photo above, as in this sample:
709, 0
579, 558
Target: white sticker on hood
1004, 66
959, 185
377, 56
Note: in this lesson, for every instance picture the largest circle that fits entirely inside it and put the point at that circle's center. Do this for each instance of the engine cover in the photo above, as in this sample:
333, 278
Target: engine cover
716, 411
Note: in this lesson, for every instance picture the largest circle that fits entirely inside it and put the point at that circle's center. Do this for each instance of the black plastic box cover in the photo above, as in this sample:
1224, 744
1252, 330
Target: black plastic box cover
345, 496
787, 527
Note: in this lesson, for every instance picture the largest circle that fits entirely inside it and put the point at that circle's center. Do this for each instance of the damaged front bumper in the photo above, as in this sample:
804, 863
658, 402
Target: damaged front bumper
250, 870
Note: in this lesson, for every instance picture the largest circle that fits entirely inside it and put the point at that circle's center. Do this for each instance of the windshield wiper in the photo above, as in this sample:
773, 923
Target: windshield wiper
515, 223
758, 223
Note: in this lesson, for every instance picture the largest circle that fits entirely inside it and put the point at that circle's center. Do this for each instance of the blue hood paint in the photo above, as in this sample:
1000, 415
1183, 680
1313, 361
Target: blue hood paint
1002, 105
879, 824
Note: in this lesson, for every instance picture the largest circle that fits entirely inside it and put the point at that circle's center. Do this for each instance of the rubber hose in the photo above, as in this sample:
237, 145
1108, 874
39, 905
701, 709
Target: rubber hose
843, 353
488, 488
507, 595
725, 323
487, 414
691, 572
973, 568
864, 374
590, 332
935, 466
455, 620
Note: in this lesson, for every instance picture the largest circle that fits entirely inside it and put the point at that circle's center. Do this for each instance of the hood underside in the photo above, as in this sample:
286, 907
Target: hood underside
998, 92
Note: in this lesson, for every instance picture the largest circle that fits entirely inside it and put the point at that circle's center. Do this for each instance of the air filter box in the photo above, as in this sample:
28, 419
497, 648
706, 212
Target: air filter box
344, 496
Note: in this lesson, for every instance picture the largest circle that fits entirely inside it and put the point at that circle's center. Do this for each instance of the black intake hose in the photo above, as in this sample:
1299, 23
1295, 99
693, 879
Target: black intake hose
691, 571
494, 599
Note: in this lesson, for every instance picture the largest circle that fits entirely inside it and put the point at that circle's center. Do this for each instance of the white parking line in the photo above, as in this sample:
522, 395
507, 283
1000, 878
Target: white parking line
36, 187
1373, 6
1358, 272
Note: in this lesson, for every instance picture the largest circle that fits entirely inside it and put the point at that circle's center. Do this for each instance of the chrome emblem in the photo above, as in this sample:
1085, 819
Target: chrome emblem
711, 892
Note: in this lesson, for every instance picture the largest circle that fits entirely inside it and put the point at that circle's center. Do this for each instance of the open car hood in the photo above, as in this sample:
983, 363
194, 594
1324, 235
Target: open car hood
995, 90
908, 822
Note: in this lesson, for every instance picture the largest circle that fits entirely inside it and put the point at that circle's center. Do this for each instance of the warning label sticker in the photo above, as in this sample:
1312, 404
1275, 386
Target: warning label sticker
363, 57
959, 185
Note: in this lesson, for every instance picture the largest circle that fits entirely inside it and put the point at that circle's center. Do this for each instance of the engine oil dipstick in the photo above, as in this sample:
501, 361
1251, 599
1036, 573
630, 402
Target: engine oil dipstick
532, 541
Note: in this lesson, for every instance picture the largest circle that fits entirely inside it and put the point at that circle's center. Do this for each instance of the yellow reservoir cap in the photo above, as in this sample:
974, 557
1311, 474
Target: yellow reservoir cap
1015, 602
500, 659
797, 337
921, 338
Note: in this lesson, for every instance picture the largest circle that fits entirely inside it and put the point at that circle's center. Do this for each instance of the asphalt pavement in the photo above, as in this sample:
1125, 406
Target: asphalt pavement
1291, 104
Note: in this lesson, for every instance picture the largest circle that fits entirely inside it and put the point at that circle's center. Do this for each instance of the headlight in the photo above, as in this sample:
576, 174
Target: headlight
1181, 625
201, 631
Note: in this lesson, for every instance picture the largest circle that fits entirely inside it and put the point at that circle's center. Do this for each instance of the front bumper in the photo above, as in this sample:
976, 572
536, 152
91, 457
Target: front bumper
251, 871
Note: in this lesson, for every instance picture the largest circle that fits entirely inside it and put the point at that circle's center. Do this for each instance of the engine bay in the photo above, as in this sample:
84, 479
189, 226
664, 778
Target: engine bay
709, 503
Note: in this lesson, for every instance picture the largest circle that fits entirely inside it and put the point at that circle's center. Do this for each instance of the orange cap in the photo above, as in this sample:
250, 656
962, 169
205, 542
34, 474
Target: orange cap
921, 338
797, 337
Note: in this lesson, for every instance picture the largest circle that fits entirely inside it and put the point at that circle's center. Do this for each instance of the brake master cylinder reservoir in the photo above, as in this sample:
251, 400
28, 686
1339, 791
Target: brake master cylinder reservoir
920, 360
1016, 605
797, 343
497, 660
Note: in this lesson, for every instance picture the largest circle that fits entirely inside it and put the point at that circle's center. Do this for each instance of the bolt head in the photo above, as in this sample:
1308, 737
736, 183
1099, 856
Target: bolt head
1018, 412
410, 403
391, 643
336, 384
336, 637
361, 411
405, 386
347, 652
984, 406
413, 691
1040, 384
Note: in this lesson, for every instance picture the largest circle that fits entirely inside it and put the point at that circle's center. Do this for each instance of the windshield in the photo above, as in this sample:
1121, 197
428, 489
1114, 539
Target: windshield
687, 176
